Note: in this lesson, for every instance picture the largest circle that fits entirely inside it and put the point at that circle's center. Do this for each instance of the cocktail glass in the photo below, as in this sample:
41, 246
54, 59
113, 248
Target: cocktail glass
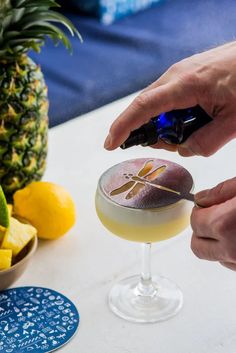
139, 200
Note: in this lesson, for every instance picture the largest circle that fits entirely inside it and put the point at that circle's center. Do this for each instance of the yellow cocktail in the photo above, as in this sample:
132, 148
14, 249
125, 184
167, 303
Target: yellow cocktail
140, 200
146, 226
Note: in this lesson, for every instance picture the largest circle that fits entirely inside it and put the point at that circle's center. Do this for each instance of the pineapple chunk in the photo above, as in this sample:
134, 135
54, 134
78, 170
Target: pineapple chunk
17, 236
5, 259
2, 233
10, 207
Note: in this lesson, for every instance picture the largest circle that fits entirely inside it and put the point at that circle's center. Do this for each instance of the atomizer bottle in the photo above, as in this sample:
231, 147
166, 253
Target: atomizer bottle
173, 127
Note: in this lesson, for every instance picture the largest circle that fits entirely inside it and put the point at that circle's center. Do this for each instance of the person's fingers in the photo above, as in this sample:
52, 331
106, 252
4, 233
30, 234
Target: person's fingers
205, 248
162, 80
176, 70
144, 107
203, 222
219, 194
159, 82
210, 138
229, 265
209, 249
185, 151
165, 146
214, 230
216, 222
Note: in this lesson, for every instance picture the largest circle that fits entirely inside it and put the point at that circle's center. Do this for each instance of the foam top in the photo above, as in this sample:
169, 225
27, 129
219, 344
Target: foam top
146, 183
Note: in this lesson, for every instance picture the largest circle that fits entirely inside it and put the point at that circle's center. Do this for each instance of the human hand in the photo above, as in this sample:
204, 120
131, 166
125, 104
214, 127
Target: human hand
207, 79
214, 225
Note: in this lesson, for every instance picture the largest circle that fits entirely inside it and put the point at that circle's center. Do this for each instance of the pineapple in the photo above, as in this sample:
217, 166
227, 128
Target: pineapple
24, 25
5, 259
17, 236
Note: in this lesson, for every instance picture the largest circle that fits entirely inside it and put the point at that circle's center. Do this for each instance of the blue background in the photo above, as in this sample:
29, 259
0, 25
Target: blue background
124, 57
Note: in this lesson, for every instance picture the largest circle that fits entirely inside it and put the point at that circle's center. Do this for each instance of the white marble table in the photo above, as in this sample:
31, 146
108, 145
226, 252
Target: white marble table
84, 264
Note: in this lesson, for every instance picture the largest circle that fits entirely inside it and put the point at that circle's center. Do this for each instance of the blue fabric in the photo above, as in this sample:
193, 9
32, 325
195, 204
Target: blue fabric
110, 10
124, 57
89, 6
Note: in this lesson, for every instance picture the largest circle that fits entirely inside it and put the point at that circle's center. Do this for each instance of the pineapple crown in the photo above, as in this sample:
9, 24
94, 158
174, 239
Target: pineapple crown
25, 24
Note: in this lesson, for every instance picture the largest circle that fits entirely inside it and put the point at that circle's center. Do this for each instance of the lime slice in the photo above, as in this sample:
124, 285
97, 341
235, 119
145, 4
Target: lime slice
4, 213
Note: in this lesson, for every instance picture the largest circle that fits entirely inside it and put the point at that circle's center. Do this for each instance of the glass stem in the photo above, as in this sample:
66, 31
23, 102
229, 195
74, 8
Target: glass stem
146, 263
145, 286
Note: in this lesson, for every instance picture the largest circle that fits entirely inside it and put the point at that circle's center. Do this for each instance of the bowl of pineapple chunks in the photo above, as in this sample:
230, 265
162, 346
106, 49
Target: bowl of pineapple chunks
18, 243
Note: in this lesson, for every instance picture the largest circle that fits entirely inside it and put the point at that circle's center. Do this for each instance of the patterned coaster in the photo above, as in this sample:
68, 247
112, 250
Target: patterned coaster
34, 319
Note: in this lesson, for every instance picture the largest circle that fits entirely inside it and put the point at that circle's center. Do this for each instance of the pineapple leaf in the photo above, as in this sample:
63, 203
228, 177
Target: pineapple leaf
1, 32
48, 3
51, 31
21, 41
5, 5
16, 15
6, 21
18, 3
9, 35
24, 24
8, 52
50, 16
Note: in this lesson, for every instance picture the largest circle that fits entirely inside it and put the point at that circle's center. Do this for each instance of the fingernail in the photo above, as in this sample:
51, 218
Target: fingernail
201, 197
107, 143
186, 151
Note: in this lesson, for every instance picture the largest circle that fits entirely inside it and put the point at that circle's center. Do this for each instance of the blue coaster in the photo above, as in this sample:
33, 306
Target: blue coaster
34, 319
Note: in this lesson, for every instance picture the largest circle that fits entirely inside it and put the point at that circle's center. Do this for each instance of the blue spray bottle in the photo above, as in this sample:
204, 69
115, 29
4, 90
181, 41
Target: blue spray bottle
173, 127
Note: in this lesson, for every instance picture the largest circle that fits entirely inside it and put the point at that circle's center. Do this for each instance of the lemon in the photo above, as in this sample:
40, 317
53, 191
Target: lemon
47, 206
4, 214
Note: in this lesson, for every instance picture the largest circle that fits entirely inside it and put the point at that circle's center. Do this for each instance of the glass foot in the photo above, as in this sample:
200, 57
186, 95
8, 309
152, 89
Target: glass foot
158, 301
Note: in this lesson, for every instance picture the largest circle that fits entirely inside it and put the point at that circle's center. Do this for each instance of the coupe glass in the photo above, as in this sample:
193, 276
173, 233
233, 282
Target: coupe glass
139, 200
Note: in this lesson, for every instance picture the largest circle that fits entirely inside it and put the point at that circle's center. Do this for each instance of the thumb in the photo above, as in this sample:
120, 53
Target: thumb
219, 194
210, 138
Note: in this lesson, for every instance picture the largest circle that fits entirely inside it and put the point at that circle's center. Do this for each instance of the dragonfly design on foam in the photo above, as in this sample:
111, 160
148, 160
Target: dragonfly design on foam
144, 177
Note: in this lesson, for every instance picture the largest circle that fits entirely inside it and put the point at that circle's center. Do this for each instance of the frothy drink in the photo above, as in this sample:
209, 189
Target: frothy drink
139, 199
